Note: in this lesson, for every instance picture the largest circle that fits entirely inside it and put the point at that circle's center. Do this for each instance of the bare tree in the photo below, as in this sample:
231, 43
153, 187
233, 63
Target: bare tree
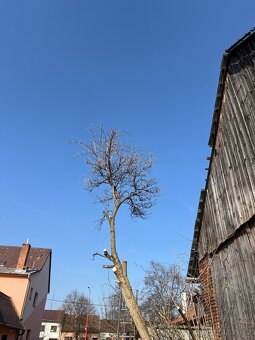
75, 306
120, 175
113, 305
164, 299
114, 308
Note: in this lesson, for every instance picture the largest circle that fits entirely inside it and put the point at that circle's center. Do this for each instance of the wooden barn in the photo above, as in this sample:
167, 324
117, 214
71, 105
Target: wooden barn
223, 249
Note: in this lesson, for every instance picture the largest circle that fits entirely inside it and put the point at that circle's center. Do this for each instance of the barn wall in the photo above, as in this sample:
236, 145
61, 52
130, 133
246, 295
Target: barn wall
227, 232
230, 199
233, 272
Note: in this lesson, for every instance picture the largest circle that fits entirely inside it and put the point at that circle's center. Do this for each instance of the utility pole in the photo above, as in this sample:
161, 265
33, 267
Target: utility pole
136, 300
87, 317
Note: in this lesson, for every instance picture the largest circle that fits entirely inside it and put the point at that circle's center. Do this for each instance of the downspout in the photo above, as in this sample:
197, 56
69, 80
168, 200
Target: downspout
20, 333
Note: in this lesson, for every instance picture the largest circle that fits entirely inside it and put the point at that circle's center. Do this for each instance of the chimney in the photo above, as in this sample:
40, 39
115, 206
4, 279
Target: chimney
21, 264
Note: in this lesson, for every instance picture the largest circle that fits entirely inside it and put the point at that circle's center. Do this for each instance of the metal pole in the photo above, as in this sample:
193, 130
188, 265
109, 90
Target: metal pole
136, 300
87, 317
118, 323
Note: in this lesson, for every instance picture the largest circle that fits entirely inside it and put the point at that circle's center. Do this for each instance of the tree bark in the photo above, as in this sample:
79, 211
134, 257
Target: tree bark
133, 308
129, 298
121, 274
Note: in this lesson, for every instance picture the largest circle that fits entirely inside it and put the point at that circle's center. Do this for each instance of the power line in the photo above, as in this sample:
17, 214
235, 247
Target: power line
94, 304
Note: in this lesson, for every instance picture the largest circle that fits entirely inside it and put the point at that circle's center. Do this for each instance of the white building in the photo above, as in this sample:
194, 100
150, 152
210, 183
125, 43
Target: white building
51, 325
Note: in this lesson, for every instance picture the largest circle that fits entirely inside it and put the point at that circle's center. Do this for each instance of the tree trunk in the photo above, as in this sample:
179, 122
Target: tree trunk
125, 286
133, 308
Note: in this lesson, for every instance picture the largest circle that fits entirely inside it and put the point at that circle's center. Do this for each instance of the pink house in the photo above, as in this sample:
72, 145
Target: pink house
25, 277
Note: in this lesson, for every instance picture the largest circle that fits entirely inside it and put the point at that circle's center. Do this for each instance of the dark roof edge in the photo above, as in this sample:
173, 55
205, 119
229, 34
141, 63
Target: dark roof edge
193, 262
37, 271
10, 325
50, 255
240, 41
221, 82
218, 100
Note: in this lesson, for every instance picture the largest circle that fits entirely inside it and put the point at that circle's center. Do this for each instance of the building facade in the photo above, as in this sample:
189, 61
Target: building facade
51, 326
25, 277
223, 249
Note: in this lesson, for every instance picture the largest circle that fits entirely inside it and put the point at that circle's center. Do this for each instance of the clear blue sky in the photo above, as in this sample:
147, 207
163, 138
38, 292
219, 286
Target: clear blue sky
147, 67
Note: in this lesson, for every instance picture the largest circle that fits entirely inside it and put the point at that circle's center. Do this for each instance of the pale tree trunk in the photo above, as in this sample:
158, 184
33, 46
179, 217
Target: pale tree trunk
133, 308
125, 285
129, 299
121, 274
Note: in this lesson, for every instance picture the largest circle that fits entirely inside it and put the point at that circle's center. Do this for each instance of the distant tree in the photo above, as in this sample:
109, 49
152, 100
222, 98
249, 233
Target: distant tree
164, 299
75, 306
111, 304
120, 175
114, 307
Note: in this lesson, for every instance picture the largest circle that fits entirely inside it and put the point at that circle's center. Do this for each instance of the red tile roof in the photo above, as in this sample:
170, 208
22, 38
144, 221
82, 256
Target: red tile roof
8, 314
97, 325
53, 315
36, 257
70, 322
190, 315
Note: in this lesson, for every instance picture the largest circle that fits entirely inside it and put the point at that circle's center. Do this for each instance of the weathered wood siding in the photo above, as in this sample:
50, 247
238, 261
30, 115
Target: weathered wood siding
233, 272
230, 200
227, 233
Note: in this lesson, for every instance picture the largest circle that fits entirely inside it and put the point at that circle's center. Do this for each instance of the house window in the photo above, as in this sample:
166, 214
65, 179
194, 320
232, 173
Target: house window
35, 299
4, 337
30, 293
68, 338
42, 328
53, 328
28, 334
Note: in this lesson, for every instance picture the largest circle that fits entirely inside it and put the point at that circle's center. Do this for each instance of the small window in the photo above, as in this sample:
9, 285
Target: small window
35, 299
42, 328
30, 293
4, 337
28, 334
53, 328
